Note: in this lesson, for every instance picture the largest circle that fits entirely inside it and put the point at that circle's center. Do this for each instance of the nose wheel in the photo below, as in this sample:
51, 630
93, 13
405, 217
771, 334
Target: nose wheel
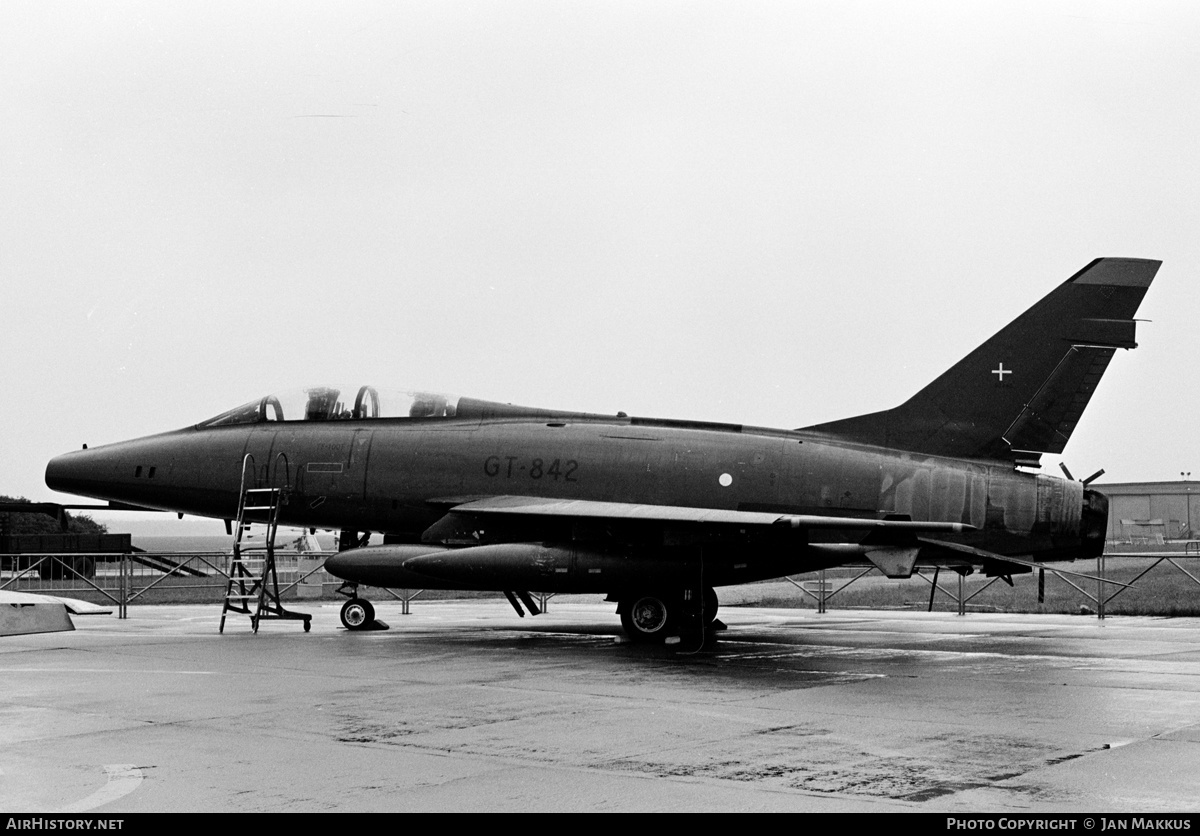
357, 614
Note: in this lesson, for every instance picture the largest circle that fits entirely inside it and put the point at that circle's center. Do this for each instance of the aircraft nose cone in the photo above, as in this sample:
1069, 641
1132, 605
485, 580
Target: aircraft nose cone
72, 472
102, 472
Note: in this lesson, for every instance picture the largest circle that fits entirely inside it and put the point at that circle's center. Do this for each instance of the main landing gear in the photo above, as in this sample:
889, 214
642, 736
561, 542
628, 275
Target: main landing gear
659, 616
359, 613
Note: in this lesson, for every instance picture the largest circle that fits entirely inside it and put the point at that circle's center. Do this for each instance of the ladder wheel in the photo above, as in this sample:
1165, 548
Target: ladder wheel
357, 614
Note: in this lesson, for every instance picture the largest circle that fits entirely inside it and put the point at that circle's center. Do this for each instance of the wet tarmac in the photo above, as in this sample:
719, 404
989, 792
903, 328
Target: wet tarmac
463, 706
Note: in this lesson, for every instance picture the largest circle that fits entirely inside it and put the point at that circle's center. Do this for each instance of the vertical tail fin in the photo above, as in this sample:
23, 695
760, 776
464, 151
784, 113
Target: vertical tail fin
1022, 392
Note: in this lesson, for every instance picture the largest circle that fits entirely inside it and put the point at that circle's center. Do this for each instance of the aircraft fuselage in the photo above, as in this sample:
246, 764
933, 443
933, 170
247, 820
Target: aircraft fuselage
398, 477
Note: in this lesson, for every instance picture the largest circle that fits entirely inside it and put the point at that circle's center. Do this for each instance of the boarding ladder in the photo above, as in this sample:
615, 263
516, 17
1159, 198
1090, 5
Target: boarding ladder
253, 587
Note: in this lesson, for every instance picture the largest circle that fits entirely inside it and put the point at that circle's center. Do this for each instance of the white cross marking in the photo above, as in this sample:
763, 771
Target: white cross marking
1001, 372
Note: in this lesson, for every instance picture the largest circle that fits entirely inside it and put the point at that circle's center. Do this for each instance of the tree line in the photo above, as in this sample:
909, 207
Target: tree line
17, 522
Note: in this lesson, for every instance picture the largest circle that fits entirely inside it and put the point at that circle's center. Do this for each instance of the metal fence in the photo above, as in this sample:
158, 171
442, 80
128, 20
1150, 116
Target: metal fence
822, 586
182, 577
203, 577
168, 578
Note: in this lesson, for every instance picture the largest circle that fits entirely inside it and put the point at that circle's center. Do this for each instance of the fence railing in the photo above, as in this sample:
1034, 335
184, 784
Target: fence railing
823, 585
202, 577
179, 577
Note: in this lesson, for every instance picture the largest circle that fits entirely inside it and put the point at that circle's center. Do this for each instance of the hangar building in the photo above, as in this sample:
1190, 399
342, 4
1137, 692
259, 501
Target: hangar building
1152, 512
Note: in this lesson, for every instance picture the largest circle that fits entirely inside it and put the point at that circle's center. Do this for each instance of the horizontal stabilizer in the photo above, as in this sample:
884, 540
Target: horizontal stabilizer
981, 556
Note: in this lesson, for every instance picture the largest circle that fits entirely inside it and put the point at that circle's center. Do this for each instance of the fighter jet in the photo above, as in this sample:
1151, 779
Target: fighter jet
658, 513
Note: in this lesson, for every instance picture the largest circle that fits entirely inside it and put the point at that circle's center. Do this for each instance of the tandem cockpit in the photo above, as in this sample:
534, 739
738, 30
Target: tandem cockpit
336, 403
356, 403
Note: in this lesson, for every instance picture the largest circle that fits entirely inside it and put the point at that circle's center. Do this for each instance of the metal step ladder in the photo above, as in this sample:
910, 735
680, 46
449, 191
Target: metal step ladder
253, 586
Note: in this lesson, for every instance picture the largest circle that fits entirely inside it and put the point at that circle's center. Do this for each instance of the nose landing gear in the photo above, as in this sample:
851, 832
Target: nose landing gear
359, 613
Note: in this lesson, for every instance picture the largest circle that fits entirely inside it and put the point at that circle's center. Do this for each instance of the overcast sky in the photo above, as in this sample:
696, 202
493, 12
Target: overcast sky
764, 213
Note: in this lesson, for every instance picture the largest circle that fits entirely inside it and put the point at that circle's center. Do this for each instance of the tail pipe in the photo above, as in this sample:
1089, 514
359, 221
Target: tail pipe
1093, 524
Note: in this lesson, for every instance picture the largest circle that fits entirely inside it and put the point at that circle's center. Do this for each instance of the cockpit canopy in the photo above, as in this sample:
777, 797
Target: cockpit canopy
334, 403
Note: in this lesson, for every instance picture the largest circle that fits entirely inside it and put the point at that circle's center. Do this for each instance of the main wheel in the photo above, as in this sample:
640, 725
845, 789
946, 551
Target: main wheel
648, 618
357, 614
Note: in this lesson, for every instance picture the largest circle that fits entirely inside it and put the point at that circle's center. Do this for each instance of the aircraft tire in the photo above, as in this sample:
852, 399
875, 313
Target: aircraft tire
648, 617
711, 604
358, 614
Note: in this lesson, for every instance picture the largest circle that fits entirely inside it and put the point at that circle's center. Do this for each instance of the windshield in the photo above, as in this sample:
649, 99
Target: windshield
335, 403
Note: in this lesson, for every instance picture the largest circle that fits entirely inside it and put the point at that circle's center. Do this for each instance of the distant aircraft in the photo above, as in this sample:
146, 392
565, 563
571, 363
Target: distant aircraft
655, 513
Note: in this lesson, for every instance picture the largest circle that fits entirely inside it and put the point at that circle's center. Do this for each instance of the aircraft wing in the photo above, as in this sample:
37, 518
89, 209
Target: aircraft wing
534, 506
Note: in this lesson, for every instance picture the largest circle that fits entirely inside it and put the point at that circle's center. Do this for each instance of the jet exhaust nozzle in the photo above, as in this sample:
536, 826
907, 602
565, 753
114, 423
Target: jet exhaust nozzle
1094, 524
